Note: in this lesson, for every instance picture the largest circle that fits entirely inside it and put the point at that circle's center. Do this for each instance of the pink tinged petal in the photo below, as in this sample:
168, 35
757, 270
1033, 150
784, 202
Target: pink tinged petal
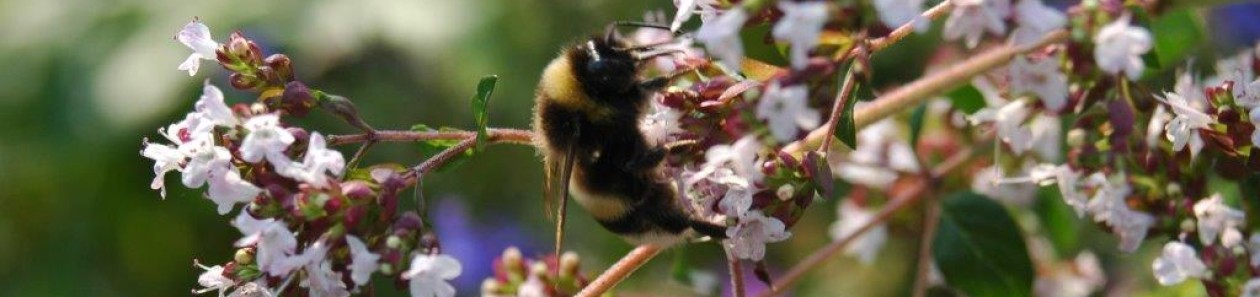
191, 64
1178, 262
363, 262
227, 189
212, 105
800, 26
196, 36
721, 37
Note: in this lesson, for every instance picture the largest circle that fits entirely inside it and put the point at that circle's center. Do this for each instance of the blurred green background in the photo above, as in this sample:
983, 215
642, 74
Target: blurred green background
85, 81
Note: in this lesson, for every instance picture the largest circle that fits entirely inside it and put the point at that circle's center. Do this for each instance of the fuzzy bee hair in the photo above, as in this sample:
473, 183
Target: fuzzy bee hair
588, 106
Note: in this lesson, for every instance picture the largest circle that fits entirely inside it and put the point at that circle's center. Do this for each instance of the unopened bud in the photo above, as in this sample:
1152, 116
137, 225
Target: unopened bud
569, 264
490, 287
242, 82
785, 192
512, 258
244, 256
538, 268
1076, 138
387, 268
356, 190
393, 242
282, 65
297, 99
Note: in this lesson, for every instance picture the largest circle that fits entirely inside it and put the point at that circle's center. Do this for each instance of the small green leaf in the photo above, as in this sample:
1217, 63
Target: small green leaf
429, 148
847, 129
980, 250
916, 124
479, 104
820, 172
1177, 34
967, 98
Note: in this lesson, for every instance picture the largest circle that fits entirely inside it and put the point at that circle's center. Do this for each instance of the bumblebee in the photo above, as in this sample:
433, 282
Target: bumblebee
587, 110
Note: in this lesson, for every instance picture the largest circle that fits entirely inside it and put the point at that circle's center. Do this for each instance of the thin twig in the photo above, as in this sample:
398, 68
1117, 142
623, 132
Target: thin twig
905, 29
930, 217
919, 90
443, 157
842, 98
358, 155
619, 271
737, 272
496, 135
904, 199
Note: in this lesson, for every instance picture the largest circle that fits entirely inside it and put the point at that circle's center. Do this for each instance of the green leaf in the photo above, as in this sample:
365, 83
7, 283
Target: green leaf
429, 148
820, 173
967, 98
916, 125
847, 130
479, 104
1177, 34
980, 250
1058, 220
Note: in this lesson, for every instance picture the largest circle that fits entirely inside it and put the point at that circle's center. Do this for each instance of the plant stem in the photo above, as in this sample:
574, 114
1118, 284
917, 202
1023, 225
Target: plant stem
737, 272
900, 200
841, 99
919, 90
930, 220
619, 271
905, 30
497, 135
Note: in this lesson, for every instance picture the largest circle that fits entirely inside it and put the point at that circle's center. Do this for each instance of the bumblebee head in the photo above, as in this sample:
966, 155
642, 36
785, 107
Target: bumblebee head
605, 66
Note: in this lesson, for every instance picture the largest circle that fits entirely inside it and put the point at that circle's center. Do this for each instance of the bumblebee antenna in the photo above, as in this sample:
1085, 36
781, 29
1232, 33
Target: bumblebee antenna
639, 25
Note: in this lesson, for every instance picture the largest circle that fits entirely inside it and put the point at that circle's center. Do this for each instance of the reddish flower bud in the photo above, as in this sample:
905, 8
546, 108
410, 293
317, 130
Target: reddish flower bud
282, 66
243, 82
297, 99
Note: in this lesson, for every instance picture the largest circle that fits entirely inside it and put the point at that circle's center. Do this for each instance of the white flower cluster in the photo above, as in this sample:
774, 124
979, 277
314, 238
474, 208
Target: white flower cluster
196, 150
729, 177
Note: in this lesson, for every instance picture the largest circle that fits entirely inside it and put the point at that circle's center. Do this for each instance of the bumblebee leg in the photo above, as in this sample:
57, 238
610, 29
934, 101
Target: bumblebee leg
654, 84
646, 159
708, 229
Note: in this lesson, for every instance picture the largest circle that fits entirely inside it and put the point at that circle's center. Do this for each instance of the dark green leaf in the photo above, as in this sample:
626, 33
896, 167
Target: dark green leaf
967, 98
980, 250
846, 130
1062, 227
1177, 34
479, 104
820, 172
916, 124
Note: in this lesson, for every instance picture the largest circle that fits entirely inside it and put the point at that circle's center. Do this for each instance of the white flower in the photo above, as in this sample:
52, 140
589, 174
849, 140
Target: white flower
1216, 218
428, 275
266, 139
213, 108
1251, 288
748, 238
1038, 17
741, 157
1253, 248
686, 8
362, 261
894, 13
321, 280
318, 160
1119, 48
1236, 69
786, 110
1181, 129
213, 279
971, 18
1041, 78
196, 36
227, 189
206, 159
1108, 206
1178, 262
851, 218
257, 288
990, 182
721, 37
738, 196
1254, 116
658, 125
1067, 179
275, 243
1008, 119
1155, 128
800, 26
165, 158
